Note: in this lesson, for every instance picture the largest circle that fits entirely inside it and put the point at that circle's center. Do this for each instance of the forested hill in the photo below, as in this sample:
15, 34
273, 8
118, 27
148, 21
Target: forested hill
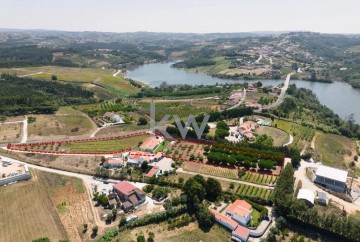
20, 96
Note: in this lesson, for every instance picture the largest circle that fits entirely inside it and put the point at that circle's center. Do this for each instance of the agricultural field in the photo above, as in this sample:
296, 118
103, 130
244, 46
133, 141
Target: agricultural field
68, 74
280, 137
117, 85
10, 133
302, 134
187, 151
259, 178
72, 163
66, 123
335, 150
251, 191
36, 221
69, 196
181, 108
120, 129
111, 145
221, 65
188, 233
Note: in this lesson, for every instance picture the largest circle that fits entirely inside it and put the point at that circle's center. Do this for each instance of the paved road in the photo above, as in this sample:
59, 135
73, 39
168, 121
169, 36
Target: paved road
181, 170
282, 94
240, 102
300, 174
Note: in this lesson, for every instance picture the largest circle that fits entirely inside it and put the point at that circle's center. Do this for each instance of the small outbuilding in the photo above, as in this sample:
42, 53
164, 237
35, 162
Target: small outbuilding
307, 196
331, 178
322, 198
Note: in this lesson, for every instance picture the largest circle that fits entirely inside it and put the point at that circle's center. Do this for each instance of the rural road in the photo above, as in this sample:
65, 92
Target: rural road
117, 73
259, 59
290, 141
300, 174
282, 94
181, 170
32, 74
240, 102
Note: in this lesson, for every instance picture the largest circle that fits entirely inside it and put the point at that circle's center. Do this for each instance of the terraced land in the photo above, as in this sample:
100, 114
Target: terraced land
252, 191
229, 173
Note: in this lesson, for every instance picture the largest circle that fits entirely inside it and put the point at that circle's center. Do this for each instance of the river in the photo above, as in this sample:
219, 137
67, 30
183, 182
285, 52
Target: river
340, 97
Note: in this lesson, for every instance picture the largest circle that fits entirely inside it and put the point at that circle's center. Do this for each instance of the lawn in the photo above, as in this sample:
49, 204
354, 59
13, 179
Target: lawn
27, 213
66, 123
255, 218
334, 150
280, 137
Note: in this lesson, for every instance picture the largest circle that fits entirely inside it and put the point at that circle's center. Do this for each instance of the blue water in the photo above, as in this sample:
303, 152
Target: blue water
340, 97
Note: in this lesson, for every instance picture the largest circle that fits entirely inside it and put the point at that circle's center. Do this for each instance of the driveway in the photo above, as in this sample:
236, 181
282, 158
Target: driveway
300, 174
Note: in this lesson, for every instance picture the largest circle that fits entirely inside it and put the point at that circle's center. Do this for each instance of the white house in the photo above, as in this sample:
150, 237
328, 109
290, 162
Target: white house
331, 178
240, 211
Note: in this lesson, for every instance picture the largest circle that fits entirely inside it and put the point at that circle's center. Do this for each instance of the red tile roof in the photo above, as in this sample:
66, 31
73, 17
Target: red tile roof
124, 187
114, 161
150, 144
240, 207
153, 171
224, 218
241, 231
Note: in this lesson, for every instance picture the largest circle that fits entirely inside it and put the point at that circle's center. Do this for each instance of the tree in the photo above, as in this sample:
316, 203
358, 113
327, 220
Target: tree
283, 192
54, 77
142, 121
144, 166
205, 218
114, 213
213, 189
151, 237
159, 192
232, 185
221, 133
122, 221
295, 157
140, 238
94, 231
265, 164
264, 140
85, 227
102, 159
281, 223
241, 173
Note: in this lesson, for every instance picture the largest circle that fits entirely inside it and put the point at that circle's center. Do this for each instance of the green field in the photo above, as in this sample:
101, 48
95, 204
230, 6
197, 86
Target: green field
334, 150
279, 136
221, 65
302, 134
117, 85
252, 191
259, 178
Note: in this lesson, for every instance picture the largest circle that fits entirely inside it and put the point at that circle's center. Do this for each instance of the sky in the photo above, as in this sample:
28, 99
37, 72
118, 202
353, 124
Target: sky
195, 16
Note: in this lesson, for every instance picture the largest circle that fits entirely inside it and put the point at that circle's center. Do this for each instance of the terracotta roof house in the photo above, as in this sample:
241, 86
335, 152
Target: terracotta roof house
113, 163
127, 192
240, 234
240, 211
150, 144
224, 220
153, 172
245, 129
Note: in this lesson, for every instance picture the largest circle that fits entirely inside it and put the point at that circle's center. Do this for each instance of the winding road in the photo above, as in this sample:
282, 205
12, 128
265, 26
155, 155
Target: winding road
282, 94
240, 102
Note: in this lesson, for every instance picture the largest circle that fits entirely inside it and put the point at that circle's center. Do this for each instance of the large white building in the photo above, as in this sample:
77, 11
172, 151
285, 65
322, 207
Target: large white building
331, 178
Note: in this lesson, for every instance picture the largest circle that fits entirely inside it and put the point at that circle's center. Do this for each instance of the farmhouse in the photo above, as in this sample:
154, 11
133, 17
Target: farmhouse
240, 234
240, 211
150, 144
224, 220
155, 170
113, 163
307, 196
331, 178
246, 130
128, 193
113, 117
